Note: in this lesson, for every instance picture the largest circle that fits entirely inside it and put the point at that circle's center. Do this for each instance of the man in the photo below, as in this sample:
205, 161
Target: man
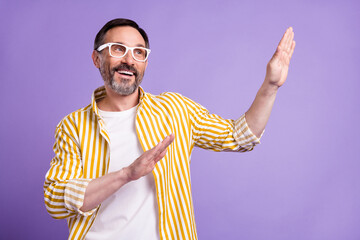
121, 166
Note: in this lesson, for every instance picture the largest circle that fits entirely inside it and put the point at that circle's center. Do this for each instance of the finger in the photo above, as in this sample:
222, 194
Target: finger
277, 54
284, 43
160, 156
161, 146
285, 46
289, 39
157, 149
292, 48
167, 141
283, 40
161, 153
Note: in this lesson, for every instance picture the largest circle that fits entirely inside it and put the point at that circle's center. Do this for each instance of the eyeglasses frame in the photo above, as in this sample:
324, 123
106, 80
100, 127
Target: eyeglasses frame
105, 45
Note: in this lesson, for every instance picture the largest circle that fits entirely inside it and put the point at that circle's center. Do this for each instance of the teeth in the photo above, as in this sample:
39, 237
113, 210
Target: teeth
126, 73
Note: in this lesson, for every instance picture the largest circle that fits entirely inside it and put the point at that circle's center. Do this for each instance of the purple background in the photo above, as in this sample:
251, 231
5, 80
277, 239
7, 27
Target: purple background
302, 182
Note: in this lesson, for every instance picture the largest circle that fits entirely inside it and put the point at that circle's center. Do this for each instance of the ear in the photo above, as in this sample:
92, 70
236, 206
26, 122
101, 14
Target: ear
96, 58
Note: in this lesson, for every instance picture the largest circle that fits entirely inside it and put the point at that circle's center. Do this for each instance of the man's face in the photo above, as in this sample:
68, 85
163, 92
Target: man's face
122, 75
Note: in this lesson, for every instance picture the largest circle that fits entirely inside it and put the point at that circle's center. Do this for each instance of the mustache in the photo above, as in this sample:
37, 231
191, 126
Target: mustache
126, 67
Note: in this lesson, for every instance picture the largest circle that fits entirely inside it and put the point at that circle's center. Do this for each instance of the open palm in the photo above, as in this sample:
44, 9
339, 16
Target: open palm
278, 66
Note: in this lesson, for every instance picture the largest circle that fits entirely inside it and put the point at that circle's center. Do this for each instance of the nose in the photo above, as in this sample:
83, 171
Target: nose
128, 58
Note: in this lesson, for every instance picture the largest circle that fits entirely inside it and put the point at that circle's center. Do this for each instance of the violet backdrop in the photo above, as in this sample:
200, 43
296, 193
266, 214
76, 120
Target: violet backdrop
302, 182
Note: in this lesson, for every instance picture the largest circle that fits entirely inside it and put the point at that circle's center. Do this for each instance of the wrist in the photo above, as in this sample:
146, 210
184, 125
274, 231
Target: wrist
268, 88
123, 176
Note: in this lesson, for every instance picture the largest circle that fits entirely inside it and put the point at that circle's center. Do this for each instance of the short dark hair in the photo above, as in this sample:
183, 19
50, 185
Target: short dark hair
118, 22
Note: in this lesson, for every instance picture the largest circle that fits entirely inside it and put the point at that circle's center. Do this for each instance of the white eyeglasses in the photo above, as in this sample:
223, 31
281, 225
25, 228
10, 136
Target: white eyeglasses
118, 50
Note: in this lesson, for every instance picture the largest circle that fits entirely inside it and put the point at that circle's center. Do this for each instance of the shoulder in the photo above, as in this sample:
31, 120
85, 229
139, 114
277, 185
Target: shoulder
72, 120
167, 103
167, 98
175, 101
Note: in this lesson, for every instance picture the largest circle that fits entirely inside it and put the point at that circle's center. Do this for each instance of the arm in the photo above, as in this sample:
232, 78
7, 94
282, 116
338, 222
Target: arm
103, 187
65, 185
276, 73
68, 193
210, 131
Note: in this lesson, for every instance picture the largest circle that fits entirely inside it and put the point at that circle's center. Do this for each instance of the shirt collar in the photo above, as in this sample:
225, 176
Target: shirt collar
100, 93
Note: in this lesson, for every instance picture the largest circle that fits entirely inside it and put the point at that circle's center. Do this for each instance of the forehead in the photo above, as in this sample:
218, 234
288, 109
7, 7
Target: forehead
126, 35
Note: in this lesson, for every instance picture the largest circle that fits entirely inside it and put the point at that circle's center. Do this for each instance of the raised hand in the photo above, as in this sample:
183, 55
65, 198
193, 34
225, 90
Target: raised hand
146, 162
278, 66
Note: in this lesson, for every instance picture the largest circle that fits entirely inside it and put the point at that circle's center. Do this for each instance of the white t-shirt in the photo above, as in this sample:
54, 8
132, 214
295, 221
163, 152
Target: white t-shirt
132, 211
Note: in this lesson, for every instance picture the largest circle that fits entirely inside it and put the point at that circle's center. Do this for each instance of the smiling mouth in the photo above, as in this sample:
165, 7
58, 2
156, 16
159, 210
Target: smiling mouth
126, 73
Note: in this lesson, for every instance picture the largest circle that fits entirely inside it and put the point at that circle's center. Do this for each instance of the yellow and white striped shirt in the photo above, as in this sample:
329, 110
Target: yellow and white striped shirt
82, 154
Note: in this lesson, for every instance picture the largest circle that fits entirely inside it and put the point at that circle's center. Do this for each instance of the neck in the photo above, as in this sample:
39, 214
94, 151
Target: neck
113, 102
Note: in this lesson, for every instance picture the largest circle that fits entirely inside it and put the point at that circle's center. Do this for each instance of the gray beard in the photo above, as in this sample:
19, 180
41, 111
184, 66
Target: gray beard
123, 88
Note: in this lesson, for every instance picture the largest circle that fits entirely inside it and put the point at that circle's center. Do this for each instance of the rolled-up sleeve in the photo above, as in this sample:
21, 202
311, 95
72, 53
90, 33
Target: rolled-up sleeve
213, 132
243, 135
64, 187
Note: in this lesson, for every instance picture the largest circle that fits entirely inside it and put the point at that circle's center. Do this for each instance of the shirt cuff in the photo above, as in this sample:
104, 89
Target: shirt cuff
74, 196
243, 135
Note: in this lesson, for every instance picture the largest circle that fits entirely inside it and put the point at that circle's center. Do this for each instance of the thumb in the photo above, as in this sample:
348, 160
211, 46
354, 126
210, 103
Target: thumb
277, 53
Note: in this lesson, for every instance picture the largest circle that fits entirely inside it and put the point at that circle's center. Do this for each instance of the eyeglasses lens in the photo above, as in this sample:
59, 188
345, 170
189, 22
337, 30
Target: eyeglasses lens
120, 50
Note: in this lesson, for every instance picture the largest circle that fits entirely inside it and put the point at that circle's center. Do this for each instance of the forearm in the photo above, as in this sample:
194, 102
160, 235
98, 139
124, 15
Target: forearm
276, 73
103, 187
259, 112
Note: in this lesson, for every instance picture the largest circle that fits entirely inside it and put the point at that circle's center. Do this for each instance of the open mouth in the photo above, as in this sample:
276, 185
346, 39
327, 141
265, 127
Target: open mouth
126, 73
